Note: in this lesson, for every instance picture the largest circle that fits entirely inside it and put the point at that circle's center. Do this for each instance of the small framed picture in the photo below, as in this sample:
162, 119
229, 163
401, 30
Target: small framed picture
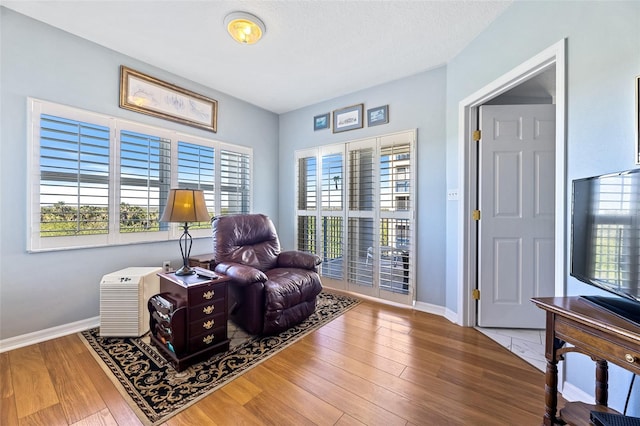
378, 115
348, 118
321, 122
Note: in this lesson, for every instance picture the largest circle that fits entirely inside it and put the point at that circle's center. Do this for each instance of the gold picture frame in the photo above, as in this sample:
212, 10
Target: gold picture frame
148, 95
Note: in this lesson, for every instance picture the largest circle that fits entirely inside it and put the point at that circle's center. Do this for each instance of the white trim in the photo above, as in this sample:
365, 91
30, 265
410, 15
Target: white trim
48, 334
573, 393
430, 308
554, 55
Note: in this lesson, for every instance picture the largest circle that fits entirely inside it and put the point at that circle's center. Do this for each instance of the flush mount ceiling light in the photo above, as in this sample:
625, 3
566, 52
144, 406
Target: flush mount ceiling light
244, 27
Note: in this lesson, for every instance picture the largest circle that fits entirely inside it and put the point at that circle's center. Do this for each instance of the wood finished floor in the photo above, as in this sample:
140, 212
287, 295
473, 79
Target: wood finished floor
374, 365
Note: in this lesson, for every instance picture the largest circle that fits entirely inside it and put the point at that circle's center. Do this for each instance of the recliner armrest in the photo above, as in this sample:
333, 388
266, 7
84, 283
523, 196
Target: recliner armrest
241, 274
299, 259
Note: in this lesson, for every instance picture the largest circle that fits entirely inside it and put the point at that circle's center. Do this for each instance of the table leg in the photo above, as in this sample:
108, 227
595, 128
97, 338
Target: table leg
602, 382
551, 393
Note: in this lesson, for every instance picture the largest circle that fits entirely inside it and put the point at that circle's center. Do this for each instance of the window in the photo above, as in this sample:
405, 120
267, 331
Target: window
234, 182
145, 177
97, 180
307, 172
196, 171
74, 177
367, 245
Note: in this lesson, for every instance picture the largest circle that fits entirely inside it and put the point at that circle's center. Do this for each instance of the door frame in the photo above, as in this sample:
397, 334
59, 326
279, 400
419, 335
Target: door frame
467, 168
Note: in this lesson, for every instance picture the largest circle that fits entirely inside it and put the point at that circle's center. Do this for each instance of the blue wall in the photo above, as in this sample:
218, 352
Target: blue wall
414, 102
43, 290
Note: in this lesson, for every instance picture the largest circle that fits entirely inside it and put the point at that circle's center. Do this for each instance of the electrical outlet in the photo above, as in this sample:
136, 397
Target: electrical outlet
452, 194
166, 266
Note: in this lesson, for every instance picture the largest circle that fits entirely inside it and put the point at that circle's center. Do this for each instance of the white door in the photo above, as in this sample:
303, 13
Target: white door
516, 201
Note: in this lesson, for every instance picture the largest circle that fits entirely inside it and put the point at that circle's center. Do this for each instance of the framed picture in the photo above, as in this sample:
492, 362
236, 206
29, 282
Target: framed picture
638, 119
147, 95
321, 122
378, 115
348, 118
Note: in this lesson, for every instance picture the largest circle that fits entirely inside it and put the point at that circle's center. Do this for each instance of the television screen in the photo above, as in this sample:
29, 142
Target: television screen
605, 242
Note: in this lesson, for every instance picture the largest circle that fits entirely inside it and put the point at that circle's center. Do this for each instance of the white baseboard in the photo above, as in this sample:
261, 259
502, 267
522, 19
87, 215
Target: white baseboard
429, 308
572, 393
48, 334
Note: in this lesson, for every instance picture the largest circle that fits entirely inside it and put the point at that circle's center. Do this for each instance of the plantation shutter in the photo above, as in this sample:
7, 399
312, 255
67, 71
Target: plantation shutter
235, 182
395, 214
307, 193
361, 230
74, 177
365, 219
144, 181
332, 214
196, 171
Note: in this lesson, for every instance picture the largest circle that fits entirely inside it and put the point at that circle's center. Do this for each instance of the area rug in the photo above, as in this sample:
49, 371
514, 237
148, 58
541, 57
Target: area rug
156, 391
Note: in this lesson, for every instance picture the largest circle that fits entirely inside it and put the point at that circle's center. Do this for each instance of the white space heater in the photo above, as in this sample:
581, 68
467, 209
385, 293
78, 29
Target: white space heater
123, 301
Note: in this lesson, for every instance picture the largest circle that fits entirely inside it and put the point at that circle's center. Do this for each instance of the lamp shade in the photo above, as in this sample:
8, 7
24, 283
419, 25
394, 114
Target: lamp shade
244, 27
185, 205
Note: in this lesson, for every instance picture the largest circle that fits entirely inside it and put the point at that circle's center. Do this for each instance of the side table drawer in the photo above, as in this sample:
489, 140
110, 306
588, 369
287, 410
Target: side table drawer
208, 324
206, 294
207, 309
622, 354
210, 338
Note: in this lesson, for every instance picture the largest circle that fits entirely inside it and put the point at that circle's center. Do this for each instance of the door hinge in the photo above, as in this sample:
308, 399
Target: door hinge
475, 215
476, 294
477, 135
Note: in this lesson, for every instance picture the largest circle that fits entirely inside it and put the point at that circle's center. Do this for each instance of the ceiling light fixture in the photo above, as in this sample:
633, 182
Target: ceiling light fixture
244, 27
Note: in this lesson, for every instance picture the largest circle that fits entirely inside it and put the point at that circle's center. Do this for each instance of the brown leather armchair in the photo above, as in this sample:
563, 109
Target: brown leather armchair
271, 290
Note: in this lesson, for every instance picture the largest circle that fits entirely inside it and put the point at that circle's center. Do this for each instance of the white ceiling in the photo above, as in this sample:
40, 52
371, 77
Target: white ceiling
313, 50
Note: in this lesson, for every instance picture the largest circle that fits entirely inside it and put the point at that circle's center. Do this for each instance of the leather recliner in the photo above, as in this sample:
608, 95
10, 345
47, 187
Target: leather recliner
270, 290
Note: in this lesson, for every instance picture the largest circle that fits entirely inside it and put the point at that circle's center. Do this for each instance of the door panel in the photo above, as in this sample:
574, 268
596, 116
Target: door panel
517, 201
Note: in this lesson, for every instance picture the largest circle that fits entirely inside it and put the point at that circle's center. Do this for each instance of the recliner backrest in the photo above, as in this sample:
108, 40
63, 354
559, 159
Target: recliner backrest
250, 239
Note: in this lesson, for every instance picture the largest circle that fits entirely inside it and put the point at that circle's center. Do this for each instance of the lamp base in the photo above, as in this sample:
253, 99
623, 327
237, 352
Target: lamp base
185, 270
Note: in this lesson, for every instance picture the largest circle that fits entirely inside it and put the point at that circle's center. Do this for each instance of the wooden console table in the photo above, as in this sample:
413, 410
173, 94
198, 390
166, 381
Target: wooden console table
592, 331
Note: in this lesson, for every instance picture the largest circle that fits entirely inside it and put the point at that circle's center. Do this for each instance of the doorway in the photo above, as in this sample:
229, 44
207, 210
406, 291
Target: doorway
551, 60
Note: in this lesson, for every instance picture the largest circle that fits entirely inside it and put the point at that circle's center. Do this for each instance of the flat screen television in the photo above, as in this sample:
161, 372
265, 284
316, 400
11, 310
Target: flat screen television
605, 239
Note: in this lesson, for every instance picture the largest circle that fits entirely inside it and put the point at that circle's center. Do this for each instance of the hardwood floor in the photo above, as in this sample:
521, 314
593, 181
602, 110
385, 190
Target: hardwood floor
374, 365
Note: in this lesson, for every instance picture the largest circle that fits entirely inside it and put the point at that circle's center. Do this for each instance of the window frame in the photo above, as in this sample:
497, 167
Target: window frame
38, 243
378, 145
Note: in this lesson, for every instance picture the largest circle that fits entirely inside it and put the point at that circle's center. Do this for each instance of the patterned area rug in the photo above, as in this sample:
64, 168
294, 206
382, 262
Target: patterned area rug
156, 391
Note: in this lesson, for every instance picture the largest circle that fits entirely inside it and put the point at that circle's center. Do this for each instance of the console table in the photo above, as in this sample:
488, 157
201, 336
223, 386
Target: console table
194, 325
592, 331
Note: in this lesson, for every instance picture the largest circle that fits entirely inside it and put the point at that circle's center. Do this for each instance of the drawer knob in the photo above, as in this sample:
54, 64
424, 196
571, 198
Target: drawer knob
208, 339
208, 309
630, 358
208, 324
209, 294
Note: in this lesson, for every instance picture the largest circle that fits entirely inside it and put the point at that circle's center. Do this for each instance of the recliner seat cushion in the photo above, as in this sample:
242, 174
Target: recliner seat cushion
290, 297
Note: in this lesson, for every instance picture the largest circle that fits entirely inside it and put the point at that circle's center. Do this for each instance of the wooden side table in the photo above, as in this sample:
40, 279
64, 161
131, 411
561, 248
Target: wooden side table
592, 331
195, 326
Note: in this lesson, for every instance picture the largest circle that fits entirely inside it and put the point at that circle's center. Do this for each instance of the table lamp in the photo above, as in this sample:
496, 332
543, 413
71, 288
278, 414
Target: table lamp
184, 206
